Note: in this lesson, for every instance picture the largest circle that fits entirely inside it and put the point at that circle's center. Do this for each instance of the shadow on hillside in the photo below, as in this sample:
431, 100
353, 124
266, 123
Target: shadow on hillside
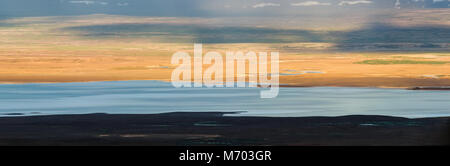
376, 36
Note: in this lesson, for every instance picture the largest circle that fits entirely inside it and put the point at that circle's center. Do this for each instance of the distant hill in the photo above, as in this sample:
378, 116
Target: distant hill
17, 8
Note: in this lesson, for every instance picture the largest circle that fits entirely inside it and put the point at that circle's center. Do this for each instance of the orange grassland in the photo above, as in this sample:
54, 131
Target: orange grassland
35, 50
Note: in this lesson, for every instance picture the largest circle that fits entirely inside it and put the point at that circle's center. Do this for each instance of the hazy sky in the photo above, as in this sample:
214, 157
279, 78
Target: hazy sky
204, 7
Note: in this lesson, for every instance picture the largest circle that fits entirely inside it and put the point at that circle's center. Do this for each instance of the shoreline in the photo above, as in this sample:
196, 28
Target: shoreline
215, 129
281, 85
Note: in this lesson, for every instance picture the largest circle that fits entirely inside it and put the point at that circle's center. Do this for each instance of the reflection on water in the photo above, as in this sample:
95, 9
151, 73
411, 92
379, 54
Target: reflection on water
146, 97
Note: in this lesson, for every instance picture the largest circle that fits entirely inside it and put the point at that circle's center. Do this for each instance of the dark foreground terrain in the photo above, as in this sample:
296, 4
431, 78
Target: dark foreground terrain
216, 129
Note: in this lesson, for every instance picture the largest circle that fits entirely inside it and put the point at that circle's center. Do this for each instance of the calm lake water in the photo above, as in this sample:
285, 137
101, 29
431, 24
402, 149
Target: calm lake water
147, 97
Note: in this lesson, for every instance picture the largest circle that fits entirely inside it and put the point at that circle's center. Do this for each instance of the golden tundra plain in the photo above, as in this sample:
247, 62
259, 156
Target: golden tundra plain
112, 48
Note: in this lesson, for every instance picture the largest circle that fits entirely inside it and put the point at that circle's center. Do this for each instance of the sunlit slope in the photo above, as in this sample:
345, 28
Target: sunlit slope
401, 49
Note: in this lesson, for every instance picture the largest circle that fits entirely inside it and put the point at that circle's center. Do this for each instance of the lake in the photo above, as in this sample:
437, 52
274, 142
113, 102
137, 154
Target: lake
149, 97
